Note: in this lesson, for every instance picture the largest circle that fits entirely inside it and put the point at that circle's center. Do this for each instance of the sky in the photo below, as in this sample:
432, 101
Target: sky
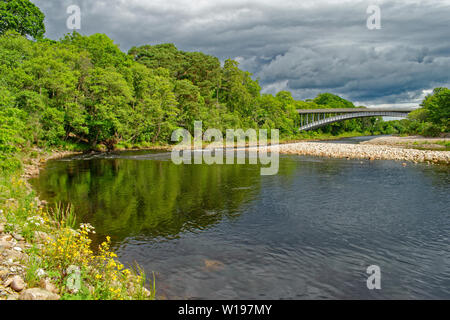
306, 47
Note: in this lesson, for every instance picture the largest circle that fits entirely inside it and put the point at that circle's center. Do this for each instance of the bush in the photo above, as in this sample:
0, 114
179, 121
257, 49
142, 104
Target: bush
431, 130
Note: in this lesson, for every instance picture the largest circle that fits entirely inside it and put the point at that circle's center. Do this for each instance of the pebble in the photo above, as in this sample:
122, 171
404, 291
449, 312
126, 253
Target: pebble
361, 151
7, 237
17, 284
18, 237
5, 244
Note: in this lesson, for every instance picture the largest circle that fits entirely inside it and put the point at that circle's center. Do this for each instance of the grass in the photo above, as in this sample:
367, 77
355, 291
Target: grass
431, 145
64, 217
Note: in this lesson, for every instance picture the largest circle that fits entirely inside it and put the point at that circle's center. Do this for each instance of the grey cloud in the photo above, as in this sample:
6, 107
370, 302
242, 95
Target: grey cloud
306, 47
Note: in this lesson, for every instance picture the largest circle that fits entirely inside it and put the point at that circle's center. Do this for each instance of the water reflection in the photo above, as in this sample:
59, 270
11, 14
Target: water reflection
125, 194
225, 232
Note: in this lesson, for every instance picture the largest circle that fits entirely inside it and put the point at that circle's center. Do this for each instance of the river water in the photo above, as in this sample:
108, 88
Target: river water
226, 232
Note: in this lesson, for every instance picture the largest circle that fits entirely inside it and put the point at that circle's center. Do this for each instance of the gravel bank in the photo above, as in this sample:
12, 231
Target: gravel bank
364, 151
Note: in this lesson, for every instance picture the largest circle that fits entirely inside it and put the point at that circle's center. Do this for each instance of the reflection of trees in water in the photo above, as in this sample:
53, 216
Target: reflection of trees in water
152, 198
439, 175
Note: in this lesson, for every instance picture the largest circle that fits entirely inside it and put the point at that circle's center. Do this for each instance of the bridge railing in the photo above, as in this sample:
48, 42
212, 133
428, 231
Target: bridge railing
322, 122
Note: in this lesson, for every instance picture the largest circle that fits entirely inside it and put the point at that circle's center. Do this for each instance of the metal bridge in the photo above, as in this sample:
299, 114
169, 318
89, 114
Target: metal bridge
315, 118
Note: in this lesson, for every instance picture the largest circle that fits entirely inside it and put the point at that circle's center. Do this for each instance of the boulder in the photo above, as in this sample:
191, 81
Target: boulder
38, 294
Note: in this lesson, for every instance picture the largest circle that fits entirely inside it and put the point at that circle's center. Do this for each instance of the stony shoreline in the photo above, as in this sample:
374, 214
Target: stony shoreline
14, 259
364, 151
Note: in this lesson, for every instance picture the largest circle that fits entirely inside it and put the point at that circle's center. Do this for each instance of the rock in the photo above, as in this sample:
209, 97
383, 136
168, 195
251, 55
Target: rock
12, 297
38, 294
47, 285
5, 244
19, 249
41, 237
17, 284
12, 255
7, 237
213, 265
4, 274
18, 237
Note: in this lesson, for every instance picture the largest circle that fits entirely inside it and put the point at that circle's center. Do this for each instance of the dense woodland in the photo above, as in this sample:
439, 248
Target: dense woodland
83, 92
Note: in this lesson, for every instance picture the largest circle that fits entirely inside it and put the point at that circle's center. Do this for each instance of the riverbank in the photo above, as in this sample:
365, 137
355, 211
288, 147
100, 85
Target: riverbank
44, 255
412, 148
365, 151
414, 142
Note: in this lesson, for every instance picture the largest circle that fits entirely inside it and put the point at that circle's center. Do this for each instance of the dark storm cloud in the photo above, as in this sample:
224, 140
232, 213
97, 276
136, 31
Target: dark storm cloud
306, 47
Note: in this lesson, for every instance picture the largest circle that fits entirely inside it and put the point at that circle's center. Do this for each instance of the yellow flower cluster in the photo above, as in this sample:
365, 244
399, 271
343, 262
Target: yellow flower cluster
102, 275
73, 248
70, 248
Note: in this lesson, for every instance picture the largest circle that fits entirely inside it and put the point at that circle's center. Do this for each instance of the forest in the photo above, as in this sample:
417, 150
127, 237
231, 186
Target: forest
83, 93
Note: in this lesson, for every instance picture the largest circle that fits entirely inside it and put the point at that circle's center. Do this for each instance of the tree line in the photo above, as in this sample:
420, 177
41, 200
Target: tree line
83, 92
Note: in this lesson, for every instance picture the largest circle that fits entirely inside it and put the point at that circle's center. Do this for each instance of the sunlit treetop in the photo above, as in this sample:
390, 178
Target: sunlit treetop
23, 17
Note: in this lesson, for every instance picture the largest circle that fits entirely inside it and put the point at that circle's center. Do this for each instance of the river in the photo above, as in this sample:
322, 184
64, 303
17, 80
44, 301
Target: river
226, 232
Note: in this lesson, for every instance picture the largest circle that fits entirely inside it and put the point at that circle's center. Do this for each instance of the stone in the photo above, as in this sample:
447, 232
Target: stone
41, 237
7, 237
38, 294
213, 265
4, 274
17, 284
18, 237
5, 244
13, 255
47, 285
12, 297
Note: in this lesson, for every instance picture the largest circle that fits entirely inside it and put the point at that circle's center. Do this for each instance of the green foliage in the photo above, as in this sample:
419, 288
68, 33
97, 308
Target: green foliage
437, 106
418, 115
21, 16
83, 92
328, 100
12, 127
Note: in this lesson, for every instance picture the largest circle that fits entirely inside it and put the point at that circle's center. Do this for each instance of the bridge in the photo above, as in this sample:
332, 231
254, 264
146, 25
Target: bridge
311, 119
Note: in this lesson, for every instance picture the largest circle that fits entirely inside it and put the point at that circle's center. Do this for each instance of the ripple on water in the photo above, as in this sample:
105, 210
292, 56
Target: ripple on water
225, 232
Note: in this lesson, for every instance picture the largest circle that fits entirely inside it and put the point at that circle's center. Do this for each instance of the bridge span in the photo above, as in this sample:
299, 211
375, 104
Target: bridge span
311, 119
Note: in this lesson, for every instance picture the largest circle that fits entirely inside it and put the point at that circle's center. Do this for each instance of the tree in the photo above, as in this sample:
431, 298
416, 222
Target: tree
329, 100
23, 17
438, 107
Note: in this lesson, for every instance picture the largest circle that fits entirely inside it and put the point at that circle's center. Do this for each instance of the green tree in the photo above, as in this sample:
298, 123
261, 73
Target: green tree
21, 16
437, 106
329, 100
